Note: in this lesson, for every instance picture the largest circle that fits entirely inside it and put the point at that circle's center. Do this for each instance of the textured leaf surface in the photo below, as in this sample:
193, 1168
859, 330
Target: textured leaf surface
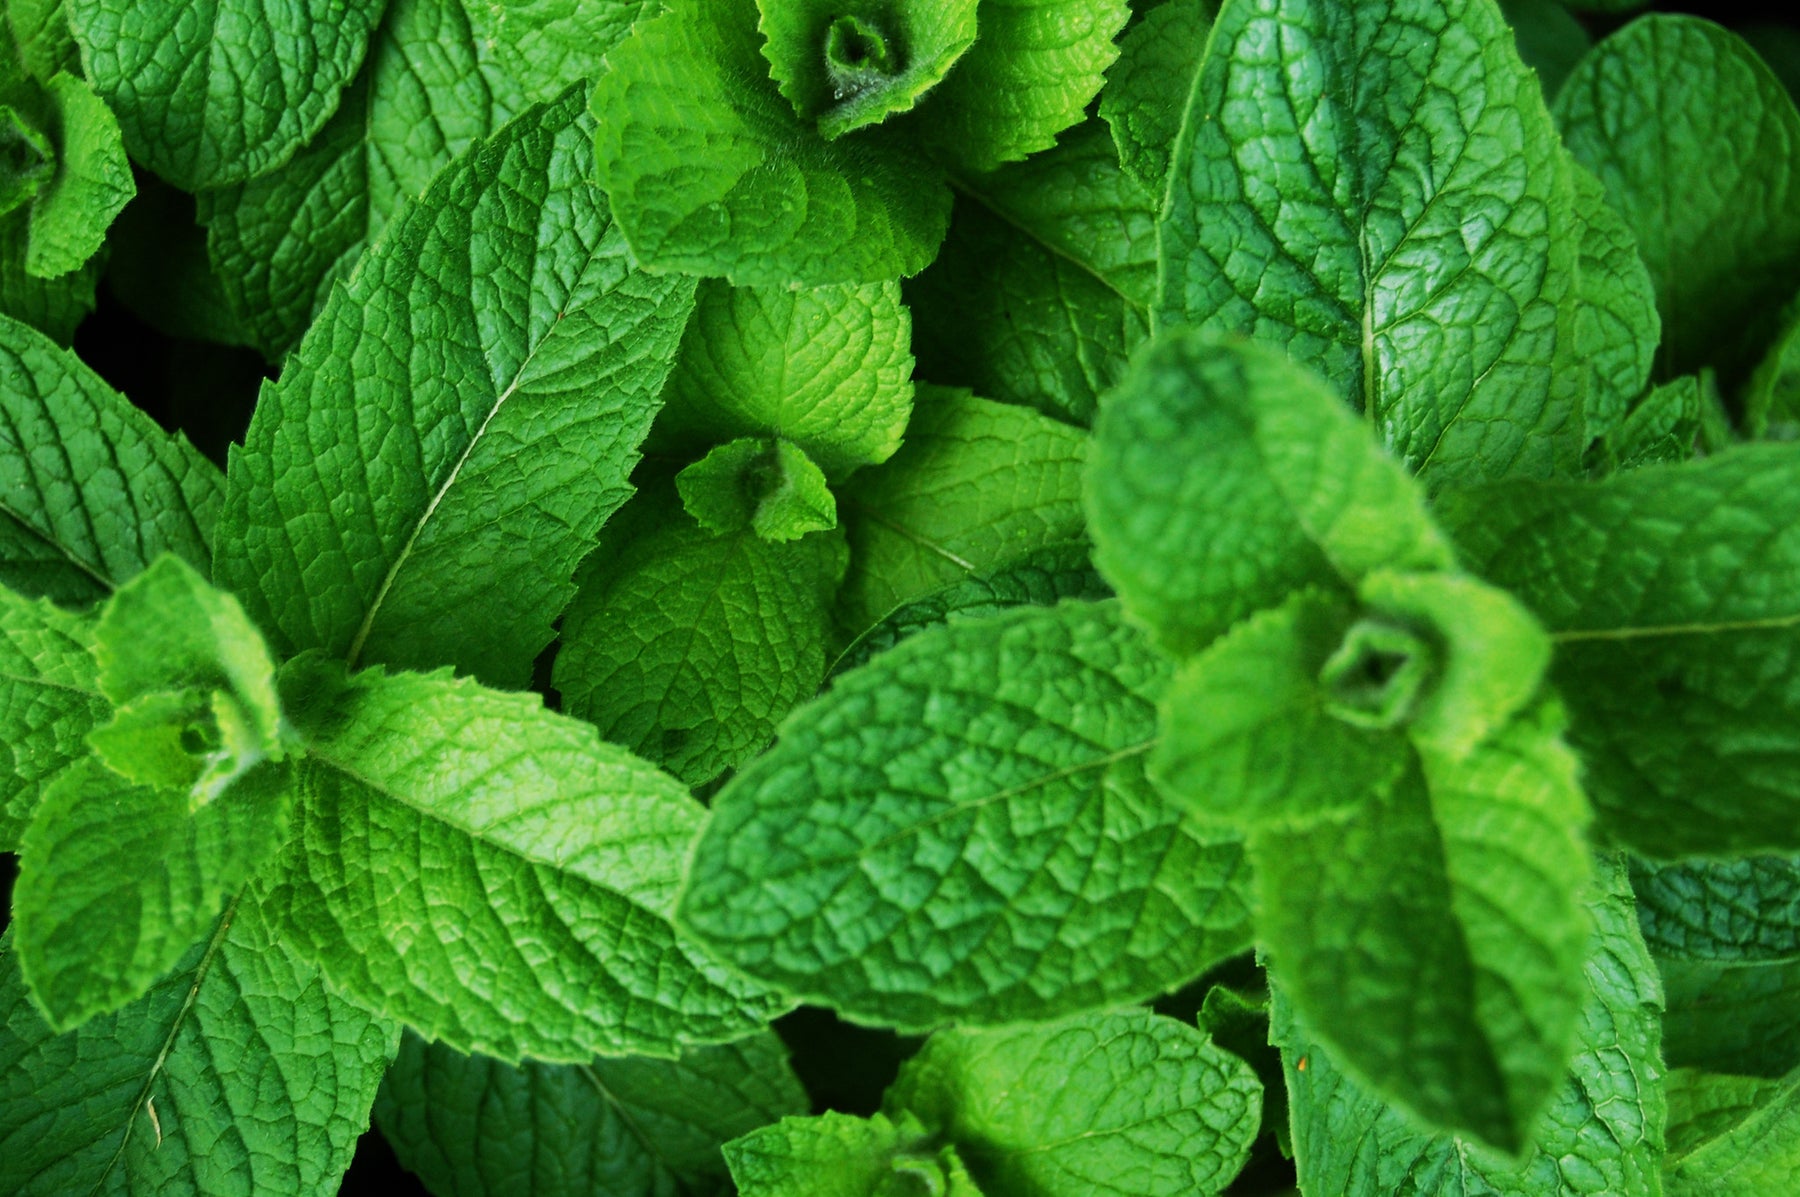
1617, 329
1044, 285
493, 875
91, 490
1225, 477
52, 306
41, 28
712, 172
1670, 591
218, 91
1736, 1018
1386, 202
835, 1155
237, 1073
1705, 1104
769, 487
1745, 1152
482, 419
829, 368
1147, 88
627, 1127
70, 214
962, 830
1128, 1103
1725, 910
49, 700
1601, 1134
687, 647
978, 484
1694, 140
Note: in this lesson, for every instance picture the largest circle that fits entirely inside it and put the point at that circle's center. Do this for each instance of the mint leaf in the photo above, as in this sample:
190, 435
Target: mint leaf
217, 91
711, 171
1669, 592
1732, 1017
488, 419
1663, 98
828, 368
91, 185
52, 306
1747, 1140
91, 490
478, 1128
916, 847
688, 647
978, 484
1044, 285
1030, 75
1147, 88
49, 700
1704, 1105
1407, 176
1662, 428
1143, 1106
770, 487
1225, 476
1725, 910
1550, 39
238, 1072
835, 1155
491, 874
848, 70
1601, 1133
1617, 328
1772, 393
41, 30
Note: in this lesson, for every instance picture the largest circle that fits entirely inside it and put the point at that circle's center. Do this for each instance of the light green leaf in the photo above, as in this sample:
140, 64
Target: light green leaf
962, 830
492, 875
49, 700
41, 30
1664, 101
829, 368
52, 306
836, 1155
1617, 329
769, 486
1730, 911
1127, 1102
711, 171
1732, 1017
239, 1072
1670, 591
1386, 202
118, 880
626, 1126
977, 485
1030, 75
1748, 1143
689, 648
848, 70
485, 420
91, 185
1147, 88
1225, 477
1600, 1136
1044, 285
219, 91
439, 75
91, 490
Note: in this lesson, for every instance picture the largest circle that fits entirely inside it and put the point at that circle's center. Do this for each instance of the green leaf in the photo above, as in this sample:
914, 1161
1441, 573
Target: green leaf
1732, 911
829, 369
1772, 395
91, 490
711, 171
1225, 477
688, 647
1670, 593
118, 880
239, 1072
1403, 224
439, 75
52, 306
836, 1155
492, 875
977, 485
849, 70
49, 700
1030, 75
1550, 40
1732, 1017
219, 91
771, 487
1147, 88
962, 830
41, 30
1668, 99
27, 159
474, 1127
1601, 1134
485, 420
1126, 1102
1040, 579
91, 185
1662, 429
1617, 328
1749, 1144
1043, 288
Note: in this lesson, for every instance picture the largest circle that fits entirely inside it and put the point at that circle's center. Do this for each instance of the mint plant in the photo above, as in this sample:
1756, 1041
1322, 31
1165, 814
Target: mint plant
998, 598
